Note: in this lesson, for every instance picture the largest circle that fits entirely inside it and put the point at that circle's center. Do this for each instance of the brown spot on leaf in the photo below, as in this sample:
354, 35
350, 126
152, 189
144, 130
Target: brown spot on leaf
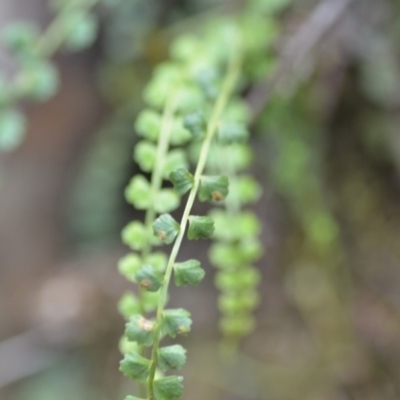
182, 330
162, 235
217, 196
145, 283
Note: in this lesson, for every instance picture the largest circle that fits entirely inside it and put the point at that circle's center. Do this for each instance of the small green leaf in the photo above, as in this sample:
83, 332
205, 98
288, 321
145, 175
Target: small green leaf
38, 80
148, 124
238, 111
188, 273
135, 235
175, 159
237, 325
156, 92
230, 256
166, 228
12, 129
165, 79
169, 388
225, 225
150, 300
145, 154
138, 192
148, 278
81, 30
129, 265
182, 180
250, 249
249, 190
180, 135
213, 188
200, 227
190, 98
128, 305
240, 156
248, 224
172, 357
267, 29
158, 260
234, 280
176, 322
233, 303
195, 124
235, 227
155, 240
135, 366
232, 132
126, 346
209, 82
185, 47
20, 37
166, 200
141, 330
224, 256
321, 227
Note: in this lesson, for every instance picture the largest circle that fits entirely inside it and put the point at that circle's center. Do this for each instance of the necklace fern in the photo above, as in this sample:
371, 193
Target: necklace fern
199, 93
208, 90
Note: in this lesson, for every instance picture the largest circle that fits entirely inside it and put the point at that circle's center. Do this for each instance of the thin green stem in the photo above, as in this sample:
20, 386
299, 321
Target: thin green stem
222, 100
51, 40
57, 33
155, 185
162, 149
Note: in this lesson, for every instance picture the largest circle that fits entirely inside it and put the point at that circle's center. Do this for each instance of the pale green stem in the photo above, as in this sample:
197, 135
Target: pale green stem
222, 100
56, 33
167, 125
156, 182
51, 40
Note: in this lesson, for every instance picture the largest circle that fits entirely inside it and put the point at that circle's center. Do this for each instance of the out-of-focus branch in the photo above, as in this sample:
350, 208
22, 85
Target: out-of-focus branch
65, 312
296, 54
24, 355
